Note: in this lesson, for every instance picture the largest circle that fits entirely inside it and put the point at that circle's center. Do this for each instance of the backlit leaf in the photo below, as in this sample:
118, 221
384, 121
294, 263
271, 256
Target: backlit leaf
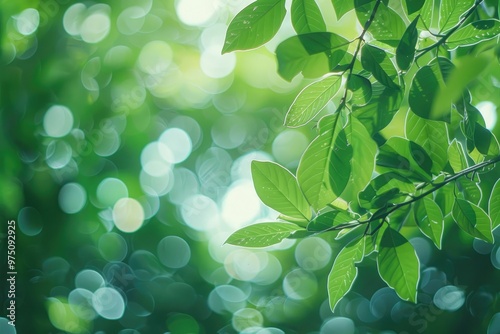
398, 264
494, 205
377, 62
262, 234
306, 17
311, 100
278, 189
255, 25
474, 33
405, 52
429, 219
472, 219
450, 12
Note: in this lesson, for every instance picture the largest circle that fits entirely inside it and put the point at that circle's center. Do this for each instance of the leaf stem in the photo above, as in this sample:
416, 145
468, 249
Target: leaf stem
450, 32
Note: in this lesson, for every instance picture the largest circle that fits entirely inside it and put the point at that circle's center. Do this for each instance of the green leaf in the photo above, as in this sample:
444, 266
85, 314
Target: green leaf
255, 25
278, 189
313, 172
313, 54
262, 234
328, 220
432, 136
311, 100
361, 89
469, 190
388, 27
341, 7
474, 33
414, 6
485, 141
339, 168
344, 271
405, 158
427, 13
430, 220
377, 62
306, 17
445, 198
456, 156
398, 264
384, 104
450, 12
405, 52
425, 85
364, 151
494, 205
472, 219
385, 188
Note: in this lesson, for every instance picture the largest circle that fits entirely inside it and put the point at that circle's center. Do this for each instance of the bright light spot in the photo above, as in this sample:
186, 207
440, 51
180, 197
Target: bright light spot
58, 154
30, 221
108, 145
247, 318
27, 21
108, 303
95, 27
229, 132
174, 252
271, 271
111, 190
131, 20
73, 18
241, 168
226, 298
72, 198
58, 121
243, 264
215, 65
449, 298
189, 125
200, 212
155, 157
300, 284
5, 327
313, 253
241, 204
112, 247
157, 185
288, 147
338, 325
89, 279
154, 59
128, 215
179, 144
185, 185
80, 302
196, 12
489, 111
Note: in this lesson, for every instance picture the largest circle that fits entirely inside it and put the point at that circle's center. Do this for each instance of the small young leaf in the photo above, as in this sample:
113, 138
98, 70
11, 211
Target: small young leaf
344, 271
398, 264
262, 234
311, 100
474, 33
377, 62
405, 52
329, 219
255, 25
432, 136
472, 219
456, 156
361, 89
494, 205
450, 12
425, 86
313, 54
278, 189
313, 172
306, 17
341, 7
430, 220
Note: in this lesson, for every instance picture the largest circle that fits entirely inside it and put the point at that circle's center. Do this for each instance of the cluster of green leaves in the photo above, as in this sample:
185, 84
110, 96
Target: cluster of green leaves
353, 181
